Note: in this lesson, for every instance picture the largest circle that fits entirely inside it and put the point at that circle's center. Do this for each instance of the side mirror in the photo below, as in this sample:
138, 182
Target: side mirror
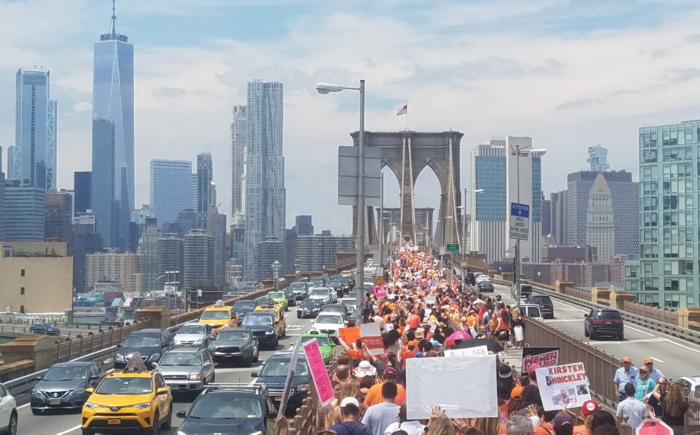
254, 374
119, 345
162, 391
585, 315
38, 378
93, 378
90, 390
181, 414
154, 365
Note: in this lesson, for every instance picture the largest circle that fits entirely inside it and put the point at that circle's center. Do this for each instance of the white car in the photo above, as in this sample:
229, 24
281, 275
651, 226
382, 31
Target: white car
482, 278
329, 323
193, 335
691, 383
8, 412
532, 310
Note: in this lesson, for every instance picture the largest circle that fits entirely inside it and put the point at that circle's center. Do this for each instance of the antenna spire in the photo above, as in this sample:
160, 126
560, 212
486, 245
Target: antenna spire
114, 17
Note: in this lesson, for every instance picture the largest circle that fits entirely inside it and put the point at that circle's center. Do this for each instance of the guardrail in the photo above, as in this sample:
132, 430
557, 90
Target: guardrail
648, 322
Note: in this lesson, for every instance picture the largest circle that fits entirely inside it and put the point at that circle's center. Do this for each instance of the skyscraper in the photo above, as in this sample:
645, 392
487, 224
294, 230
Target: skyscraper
113, 103
2, 206
24, 213
85, 241
598, 158
170, 189
239, 137
557, 224
216, 227
205, 176
193, 191
170, 257
59, 216
148, 248
199, 258
82, 186
11, 171
600, 220
265, 196
304, 225
103, 201
35, 130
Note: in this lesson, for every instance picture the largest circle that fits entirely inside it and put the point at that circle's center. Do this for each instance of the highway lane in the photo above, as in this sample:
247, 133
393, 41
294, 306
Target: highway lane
675, 358
69, 424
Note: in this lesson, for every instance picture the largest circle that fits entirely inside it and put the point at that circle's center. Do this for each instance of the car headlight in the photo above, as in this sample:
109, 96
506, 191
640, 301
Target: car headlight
89, 405
326, 355
211, 347
181, 433
301, 388
269, 332
195, 377
256, 433
145, 405
154, 357
78, 391
120, 358
36, 393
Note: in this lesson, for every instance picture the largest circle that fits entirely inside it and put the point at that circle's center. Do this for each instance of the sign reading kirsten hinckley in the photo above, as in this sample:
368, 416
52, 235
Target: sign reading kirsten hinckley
563, 385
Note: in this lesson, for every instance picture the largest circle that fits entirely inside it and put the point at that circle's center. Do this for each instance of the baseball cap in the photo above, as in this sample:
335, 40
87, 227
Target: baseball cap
643, 369
532, 368
390, 371
517, 393
504, 372
589, 407
349, 401
648, 360
562, 420
627, 360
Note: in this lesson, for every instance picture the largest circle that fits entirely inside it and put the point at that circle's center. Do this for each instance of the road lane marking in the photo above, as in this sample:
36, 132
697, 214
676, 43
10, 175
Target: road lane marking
643, 340
570, 307
562, 320
23, 406
69, 430
656, 359
640, 331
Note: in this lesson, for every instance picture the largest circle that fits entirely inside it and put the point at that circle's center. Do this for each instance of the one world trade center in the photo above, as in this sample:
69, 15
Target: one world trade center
113, 137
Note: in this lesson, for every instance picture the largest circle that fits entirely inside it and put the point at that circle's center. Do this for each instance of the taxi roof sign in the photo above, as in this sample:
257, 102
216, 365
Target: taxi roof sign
135, 364
219, 304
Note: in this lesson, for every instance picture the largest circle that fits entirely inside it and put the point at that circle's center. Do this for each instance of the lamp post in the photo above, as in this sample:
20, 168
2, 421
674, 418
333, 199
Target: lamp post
276, 274
325, 88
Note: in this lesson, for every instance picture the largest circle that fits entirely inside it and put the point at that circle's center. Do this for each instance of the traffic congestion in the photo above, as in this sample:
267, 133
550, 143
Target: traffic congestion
227, 372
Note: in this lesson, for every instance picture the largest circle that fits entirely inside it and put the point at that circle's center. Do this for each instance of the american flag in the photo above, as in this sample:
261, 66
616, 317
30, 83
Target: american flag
403, 110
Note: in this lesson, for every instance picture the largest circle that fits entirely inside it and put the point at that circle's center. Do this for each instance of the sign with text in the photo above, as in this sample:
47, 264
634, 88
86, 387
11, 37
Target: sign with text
290, 378
472, 351
379, 291
319, 373
453, 248
563, 385
519, 221
371, 335
544, 356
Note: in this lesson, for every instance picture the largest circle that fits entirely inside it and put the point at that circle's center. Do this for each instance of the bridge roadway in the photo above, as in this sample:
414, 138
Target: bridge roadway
69, 424
674, 357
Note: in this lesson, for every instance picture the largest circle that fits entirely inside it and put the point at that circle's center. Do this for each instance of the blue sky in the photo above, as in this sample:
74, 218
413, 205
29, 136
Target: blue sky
569, 73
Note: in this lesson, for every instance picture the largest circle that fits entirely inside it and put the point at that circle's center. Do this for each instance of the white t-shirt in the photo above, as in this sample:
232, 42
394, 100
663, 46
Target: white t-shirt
411, 428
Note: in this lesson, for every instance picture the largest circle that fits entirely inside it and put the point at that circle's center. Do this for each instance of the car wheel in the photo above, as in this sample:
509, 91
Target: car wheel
154, 429
621, 337
593, 335
299, 317
249, 362
12, 427
88, 432
256, 356
169, 422
585, 332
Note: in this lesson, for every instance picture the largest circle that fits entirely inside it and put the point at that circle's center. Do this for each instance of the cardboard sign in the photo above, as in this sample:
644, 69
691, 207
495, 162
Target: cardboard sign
441, 382
563, 385
430, 300
379, 292
472, 351
290, 378
371, 335
349, 335
653, 427
319, 373
544, 356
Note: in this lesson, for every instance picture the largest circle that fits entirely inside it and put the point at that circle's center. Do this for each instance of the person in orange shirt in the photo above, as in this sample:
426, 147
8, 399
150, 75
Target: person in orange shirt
374, 395
546, 427
589, 408
355, 351
409, 351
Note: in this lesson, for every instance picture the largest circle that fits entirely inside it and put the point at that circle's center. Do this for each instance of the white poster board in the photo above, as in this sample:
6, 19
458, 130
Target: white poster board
442, 382
472, 351
561, 385
370, 330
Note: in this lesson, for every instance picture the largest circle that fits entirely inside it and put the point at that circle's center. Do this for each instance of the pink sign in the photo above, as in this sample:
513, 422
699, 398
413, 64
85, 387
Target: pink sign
379, 292
319, 373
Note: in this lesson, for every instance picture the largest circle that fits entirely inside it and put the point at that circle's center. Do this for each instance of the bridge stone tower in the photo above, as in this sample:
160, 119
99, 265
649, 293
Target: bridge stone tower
407, 153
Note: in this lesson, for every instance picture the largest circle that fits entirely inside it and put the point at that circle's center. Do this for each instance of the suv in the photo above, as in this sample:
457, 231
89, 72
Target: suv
8, 411
230, 408
485, 286
273, 375
330, 323
545, 304
186, 369
63, 386
219, 317
262, 324
339, 308
243, 308
323, 294
309, 308
532, 310
300, 289
134, 398
604, 321
149, 343
236, 343
276, 311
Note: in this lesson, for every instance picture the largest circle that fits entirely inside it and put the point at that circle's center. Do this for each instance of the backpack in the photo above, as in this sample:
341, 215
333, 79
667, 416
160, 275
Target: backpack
353, 430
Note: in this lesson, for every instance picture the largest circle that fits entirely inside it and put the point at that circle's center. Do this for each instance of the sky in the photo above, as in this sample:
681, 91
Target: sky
569, 73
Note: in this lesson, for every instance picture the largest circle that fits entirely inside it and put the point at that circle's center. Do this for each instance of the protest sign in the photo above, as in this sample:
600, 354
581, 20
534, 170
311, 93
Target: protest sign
379, 291
371, 335
472, 351
349, 335
653, 426
544, 356
290, 377
563, 385
441, 382
318, 372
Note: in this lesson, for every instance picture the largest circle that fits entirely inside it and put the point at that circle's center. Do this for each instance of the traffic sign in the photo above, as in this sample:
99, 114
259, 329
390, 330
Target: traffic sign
519, 221
453, 248
380, 280
653, 427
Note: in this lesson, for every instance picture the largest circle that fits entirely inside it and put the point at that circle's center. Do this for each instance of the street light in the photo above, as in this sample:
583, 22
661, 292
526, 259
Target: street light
326, 88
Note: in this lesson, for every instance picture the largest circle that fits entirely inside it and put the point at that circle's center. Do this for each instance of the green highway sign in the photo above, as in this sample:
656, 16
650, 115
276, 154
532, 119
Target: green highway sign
453, 248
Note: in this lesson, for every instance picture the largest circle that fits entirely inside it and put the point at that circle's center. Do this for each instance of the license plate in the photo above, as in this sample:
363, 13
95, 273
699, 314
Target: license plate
228, 355
114, 421
186, 345
608, 323
278, 399
54, 401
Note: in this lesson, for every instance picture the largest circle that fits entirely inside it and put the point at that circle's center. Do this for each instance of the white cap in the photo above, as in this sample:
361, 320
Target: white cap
350, 401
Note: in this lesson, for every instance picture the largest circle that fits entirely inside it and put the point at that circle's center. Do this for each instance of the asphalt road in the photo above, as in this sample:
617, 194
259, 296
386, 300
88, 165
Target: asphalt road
65, 424
675, 358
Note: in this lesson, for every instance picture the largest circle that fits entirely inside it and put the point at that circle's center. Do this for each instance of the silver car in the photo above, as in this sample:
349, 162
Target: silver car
186, 368
325, 294
193, 335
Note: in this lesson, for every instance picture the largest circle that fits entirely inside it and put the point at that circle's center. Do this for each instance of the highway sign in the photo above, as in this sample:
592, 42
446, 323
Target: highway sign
519, 221
453, 248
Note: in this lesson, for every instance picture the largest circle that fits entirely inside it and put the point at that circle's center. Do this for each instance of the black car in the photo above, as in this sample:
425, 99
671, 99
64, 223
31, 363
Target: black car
545, 303
309, 308
291, 297
235, 343
470, 279
337, 286
243, 308
300, 289
63, 386
262, 325
525, 290
274, 374
231, 409
485, 286
604, 321
150, 343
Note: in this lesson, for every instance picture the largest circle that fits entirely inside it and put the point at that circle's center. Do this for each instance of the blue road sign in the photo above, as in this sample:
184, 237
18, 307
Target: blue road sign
520, 210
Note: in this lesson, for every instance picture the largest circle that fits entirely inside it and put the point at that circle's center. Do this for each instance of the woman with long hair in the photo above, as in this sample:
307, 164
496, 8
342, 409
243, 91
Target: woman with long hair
675, 408
503, 329
439, 424
488, 425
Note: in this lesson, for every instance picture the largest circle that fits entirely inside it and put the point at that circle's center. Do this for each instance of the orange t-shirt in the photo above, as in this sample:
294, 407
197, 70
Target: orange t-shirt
581, 429
544, 429
413, 322
355, 354
374, 395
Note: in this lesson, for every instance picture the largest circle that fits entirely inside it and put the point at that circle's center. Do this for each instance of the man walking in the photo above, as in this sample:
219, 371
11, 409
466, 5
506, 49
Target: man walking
624, 375
631, 409
378, 417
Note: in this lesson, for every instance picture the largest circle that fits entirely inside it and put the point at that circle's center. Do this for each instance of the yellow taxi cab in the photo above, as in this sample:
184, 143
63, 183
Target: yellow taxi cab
133, 398
278, 312
219, 317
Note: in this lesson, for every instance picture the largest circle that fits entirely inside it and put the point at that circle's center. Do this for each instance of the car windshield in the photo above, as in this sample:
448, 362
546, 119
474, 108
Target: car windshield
280, 367
264, 301
245, 305
257, 320
276, 295
180, 359
319, 292
321, 339
328, 318
297, 286
349, 302
232, 335
215, 315
607, 315
541, 299
224, 407
128, 385
66, 374
310, 303
139, 341
193, 329
533, 312
335, 309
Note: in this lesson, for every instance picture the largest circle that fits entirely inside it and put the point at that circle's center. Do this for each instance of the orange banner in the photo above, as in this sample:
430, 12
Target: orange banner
349, 335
